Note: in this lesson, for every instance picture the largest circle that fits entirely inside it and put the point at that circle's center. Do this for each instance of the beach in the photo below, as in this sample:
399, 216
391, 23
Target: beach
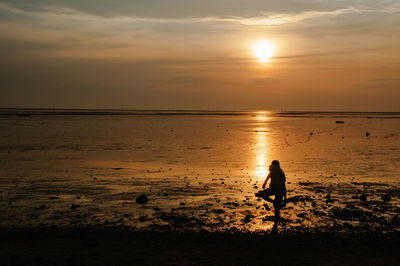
62, 171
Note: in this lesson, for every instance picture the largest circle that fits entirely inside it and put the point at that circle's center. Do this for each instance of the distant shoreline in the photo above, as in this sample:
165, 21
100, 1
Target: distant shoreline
25, 112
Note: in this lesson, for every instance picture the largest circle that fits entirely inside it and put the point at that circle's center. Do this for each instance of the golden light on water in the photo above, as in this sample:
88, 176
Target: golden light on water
262, 148
263, 50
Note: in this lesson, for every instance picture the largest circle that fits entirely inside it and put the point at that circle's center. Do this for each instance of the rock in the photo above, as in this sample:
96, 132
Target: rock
165, 194
248, 218
219, 211
302, 215
53, 198
328, 196
319, 213
142, 199
142, 219
339, 122
313, 204
350, 214
386, 197
74, 206
157, 209
42, 207
367, 134
363, 197
127, 215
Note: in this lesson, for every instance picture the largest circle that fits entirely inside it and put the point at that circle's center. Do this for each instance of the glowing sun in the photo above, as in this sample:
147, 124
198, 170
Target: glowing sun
263, 50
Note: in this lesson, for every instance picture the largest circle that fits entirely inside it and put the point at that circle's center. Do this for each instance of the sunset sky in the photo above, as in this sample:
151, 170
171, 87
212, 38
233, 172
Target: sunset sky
184, 54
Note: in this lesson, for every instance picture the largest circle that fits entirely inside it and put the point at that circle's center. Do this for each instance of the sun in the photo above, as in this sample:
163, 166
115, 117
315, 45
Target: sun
263, 50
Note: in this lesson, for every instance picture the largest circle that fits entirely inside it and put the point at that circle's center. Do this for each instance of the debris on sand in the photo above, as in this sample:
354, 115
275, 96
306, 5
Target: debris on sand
298, 198
319, 213
142, 199
352, 214
386, 197
248, 218
367, 134
328, 196
363, 197
42, 207
302, 215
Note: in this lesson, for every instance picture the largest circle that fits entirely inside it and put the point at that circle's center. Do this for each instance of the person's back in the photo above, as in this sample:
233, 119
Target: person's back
277, 176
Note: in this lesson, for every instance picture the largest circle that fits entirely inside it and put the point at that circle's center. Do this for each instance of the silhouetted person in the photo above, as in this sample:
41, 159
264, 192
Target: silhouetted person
277, 187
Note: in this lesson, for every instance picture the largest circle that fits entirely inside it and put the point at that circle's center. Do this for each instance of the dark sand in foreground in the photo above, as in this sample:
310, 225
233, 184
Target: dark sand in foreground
120, 247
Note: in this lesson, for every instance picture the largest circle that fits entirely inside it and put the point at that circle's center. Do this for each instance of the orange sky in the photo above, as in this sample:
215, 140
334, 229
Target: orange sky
329, 55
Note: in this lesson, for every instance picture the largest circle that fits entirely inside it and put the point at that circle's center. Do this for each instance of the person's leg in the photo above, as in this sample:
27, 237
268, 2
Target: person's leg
264, 194
278, 205
278, 200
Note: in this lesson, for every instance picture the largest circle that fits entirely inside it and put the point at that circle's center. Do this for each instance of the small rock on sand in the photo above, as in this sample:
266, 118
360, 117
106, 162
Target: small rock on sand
42, 207
363, 197
328, 197
248, 218
386, 197
142, 199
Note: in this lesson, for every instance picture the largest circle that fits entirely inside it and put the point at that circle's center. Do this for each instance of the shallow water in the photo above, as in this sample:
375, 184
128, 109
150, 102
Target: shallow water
198, 169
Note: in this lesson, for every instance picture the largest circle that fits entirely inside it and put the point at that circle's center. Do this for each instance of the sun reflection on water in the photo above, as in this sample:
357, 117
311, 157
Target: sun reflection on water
261, 149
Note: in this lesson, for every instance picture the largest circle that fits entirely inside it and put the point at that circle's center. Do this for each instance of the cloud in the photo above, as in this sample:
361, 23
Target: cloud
255, 14
176, 8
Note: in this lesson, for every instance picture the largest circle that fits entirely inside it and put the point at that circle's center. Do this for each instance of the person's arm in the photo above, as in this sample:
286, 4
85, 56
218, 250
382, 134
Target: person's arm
266, 180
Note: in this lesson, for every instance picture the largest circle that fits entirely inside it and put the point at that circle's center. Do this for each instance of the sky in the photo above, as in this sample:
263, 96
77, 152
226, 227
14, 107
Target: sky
327, 55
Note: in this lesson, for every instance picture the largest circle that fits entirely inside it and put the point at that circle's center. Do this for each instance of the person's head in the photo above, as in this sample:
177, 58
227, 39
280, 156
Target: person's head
275, 162
274, 165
